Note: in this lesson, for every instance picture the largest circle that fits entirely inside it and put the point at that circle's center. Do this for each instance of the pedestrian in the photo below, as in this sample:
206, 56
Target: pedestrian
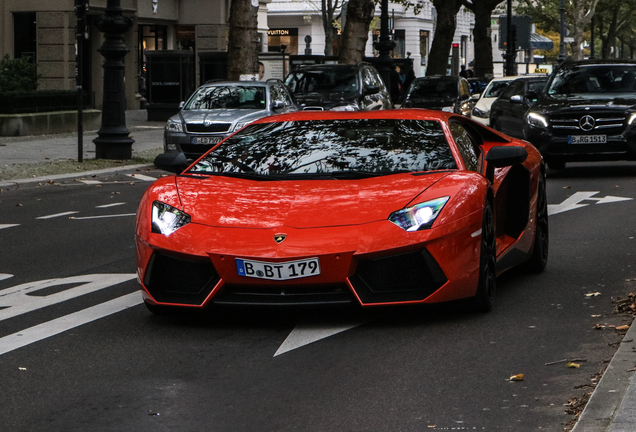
462, 72
395, 85
261, 71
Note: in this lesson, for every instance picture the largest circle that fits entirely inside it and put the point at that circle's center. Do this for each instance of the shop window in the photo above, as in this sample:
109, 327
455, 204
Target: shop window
399, 37
424, 38
278, 37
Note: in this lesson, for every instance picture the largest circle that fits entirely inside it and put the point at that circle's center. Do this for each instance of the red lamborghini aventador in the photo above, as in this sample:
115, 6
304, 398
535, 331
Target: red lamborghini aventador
324, 208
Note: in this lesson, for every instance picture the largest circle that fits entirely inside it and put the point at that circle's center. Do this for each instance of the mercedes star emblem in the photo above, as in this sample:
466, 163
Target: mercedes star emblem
586, 123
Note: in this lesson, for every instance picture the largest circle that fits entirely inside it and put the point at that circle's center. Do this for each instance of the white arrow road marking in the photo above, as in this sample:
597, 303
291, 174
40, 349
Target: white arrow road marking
142, 177
4, 276
104, 216
67, 322
8, 225
16, 300
57, 215
110, 205
304, 334
573, 202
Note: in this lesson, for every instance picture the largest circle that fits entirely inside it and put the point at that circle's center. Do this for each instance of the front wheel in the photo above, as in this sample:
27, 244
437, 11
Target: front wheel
485, 297
539, 258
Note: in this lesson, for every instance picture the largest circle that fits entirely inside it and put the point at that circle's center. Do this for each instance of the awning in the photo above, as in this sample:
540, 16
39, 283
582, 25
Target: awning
540, 42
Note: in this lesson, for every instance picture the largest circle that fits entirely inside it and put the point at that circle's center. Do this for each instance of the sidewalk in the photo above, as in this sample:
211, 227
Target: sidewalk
612, 406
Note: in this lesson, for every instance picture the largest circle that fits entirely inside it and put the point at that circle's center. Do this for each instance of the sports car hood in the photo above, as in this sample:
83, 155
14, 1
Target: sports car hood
222, 115
231, 202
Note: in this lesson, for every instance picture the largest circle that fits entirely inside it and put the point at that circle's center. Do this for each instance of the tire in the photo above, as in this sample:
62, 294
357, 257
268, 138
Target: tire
539, 259
484, 299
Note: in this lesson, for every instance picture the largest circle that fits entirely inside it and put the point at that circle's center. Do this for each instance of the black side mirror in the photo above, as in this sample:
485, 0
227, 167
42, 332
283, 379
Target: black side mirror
175, 162
503, 156
371, 89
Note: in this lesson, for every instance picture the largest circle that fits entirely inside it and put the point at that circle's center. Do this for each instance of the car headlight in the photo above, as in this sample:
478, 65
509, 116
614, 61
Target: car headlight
420, 216
537, 120
631, 118
481, 113
351, 107
240, 125
448, 109
167, 219
174, 126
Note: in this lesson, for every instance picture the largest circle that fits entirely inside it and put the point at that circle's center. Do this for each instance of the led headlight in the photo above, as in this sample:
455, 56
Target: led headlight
174, 126
167, 219
448, 109
240, 125
631, 118
537, 120
481, 113
420, 216
351, 107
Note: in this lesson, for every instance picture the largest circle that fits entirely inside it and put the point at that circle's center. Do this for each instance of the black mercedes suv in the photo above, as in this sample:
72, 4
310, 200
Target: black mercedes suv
587, 112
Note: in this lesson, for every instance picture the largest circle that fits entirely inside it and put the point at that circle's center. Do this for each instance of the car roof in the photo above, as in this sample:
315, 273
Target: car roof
214, 83
329, 66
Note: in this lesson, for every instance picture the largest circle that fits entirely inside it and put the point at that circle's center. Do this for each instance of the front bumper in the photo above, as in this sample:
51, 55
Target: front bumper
440, 265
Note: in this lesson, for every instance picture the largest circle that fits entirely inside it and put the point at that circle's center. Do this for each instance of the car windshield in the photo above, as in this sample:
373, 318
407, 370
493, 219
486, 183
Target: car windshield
594, 79
323, 81
227, 97
433, 89
495, 89
331, 149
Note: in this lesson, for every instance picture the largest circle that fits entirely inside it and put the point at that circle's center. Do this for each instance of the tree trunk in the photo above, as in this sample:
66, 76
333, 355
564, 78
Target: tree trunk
327, 20
483, 44
356, 31
242, 52
444, 34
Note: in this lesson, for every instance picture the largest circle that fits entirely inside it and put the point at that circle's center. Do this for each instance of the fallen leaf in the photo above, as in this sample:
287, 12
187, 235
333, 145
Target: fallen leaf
622, 328
518, 377
22, 368
594, 294
599, 326
596, 316
566, 187
573, 365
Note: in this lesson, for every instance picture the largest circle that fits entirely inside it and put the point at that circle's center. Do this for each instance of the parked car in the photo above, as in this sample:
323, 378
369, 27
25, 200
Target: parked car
219, 108
587, 113
508, 110
370, 208
339, 87
443, 93
481, 111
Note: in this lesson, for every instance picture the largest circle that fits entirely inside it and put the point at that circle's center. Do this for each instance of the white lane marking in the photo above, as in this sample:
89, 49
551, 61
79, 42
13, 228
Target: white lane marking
104, 216
8, 225
110, 205
67, 322
51, 216
16, 300
304, 334
91, 182
4, 276
574, 202
142, 177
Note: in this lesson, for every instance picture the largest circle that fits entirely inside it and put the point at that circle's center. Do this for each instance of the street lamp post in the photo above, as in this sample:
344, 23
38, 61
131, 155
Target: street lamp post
113, 141
385, 45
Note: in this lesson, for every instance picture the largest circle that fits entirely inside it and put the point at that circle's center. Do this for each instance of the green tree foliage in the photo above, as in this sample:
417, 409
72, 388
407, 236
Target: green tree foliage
18, 74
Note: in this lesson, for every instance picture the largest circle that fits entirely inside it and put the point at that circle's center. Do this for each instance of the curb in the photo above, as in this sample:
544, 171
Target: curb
611, 407
46, 178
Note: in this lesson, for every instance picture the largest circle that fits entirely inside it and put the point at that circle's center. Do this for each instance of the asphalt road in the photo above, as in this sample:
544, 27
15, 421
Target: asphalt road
78, 351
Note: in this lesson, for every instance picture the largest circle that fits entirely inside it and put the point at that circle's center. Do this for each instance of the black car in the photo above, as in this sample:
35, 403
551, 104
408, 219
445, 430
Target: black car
586, 113
339, 87
508, 110
443, 93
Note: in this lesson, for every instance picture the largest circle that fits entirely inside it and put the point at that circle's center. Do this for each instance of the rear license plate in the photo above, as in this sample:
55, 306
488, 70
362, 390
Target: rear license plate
587, 139
206, 140
278, 271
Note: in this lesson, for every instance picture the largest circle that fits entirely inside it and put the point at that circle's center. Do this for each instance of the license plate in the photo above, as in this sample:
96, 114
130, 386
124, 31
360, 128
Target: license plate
206, 140
587, 139
278, 271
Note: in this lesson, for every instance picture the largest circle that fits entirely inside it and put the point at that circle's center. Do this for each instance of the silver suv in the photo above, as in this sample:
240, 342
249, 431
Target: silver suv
219, 108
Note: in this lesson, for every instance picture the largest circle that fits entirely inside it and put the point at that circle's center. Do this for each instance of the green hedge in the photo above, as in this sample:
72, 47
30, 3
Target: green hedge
18, 102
